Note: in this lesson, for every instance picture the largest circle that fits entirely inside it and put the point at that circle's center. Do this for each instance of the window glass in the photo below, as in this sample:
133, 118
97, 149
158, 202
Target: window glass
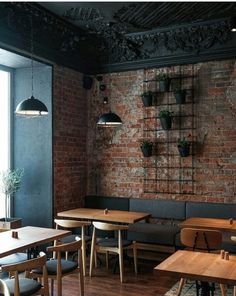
4, 129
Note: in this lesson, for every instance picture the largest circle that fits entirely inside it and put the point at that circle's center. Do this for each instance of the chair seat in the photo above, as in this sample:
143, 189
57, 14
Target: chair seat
27, 286
66, 266
71, 238
14, 258
4, 275
113, 242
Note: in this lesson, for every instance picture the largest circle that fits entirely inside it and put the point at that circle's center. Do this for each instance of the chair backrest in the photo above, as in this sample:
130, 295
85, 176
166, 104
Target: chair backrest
70, 223
109, 227
69, 247
203, 239
26, 266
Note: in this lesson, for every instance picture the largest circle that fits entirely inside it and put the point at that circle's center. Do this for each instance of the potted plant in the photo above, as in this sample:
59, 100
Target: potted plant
11, 180
180, 94
146, 147
147, 98
184, 147
164, 81
166, 119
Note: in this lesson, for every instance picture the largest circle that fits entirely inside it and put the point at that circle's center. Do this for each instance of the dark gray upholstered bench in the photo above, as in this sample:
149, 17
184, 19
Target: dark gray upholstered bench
163, 233
166, 215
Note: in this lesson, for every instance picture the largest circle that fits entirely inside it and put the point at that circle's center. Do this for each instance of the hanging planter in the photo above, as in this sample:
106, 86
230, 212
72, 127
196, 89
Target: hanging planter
166, 119
147, 98
184, 147
146, 147
180, 95
164, 81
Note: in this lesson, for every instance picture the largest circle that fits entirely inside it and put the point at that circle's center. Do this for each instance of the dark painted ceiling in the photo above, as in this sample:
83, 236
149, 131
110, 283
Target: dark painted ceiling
97, 37
139, 16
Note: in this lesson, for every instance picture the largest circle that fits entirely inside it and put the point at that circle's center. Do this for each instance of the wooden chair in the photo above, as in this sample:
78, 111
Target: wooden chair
18, 286
72, 224
200, 239
116, 245
58, 268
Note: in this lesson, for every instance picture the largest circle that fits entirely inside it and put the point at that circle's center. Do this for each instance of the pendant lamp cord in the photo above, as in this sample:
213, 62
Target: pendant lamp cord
31, 56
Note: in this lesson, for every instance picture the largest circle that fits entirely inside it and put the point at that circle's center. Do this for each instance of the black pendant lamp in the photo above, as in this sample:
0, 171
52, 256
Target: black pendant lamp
109, 120
31, 107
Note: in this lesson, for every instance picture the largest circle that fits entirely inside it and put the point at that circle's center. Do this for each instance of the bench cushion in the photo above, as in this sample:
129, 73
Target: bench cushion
164, 209
153, 233
210, 210
106, 202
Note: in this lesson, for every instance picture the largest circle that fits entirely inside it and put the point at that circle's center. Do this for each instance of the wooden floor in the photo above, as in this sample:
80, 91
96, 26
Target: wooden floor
105, 283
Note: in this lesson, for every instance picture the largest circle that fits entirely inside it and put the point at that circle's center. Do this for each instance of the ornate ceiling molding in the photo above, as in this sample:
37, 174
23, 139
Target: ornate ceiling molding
105, 43
188, 39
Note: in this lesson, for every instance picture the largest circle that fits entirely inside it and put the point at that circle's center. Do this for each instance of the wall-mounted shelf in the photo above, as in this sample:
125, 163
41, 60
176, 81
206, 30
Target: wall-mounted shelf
168, 172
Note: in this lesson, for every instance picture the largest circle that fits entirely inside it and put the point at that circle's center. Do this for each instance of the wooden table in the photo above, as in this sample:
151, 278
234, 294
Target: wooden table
99, 214
28, 237
209, 223
200, 266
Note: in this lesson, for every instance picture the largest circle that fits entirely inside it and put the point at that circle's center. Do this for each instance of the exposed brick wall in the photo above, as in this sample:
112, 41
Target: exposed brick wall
69, 139
115, 164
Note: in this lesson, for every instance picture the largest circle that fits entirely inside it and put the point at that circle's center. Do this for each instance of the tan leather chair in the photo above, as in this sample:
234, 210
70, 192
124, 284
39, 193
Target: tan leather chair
112, 245
203, 240
18, 286
72, 224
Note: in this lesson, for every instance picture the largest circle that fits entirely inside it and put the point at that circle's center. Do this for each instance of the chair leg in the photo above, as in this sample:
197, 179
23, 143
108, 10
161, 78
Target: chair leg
59, 287
181, 285
81, 275
107, 260
121, 265
52, 287
222, 289
92, 252
95, 259
234, 294
66, 255
135, 258
84, 256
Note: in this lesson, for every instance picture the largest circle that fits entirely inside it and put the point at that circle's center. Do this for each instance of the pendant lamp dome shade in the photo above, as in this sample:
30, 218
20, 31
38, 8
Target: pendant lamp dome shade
109, 119
31, 107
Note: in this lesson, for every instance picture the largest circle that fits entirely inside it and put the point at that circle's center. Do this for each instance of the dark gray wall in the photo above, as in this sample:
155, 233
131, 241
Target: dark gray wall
32, 149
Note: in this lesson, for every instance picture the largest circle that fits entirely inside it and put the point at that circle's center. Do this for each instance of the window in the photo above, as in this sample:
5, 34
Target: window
4, 128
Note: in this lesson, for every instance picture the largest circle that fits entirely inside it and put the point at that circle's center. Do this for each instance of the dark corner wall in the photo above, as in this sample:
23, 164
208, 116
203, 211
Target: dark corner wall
33, 149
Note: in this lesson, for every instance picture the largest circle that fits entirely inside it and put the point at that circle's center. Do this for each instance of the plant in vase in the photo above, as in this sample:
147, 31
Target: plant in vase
166, 119
147, 98
164, 81
11, 181
146, 147
180, 94
184, 147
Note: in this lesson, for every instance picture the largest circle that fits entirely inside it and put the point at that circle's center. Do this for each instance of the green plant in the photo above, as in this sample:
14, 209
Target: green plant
162, 77
10, 183
183, 142
165, 113
146, 93
146, 143
11, 180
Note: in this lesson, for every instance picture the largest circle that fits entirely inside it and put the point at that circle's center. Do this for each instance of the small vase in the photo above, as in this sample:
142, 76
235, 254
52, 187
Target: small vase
147, 151
180, 96
147, 100
184, 151
164, 85
166, 122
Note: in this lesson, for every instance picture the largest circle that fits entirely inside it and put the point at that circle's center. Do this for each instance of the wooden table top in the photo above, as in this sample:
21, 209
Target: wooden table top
199, 266
28, 237
99, 214
209, 223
